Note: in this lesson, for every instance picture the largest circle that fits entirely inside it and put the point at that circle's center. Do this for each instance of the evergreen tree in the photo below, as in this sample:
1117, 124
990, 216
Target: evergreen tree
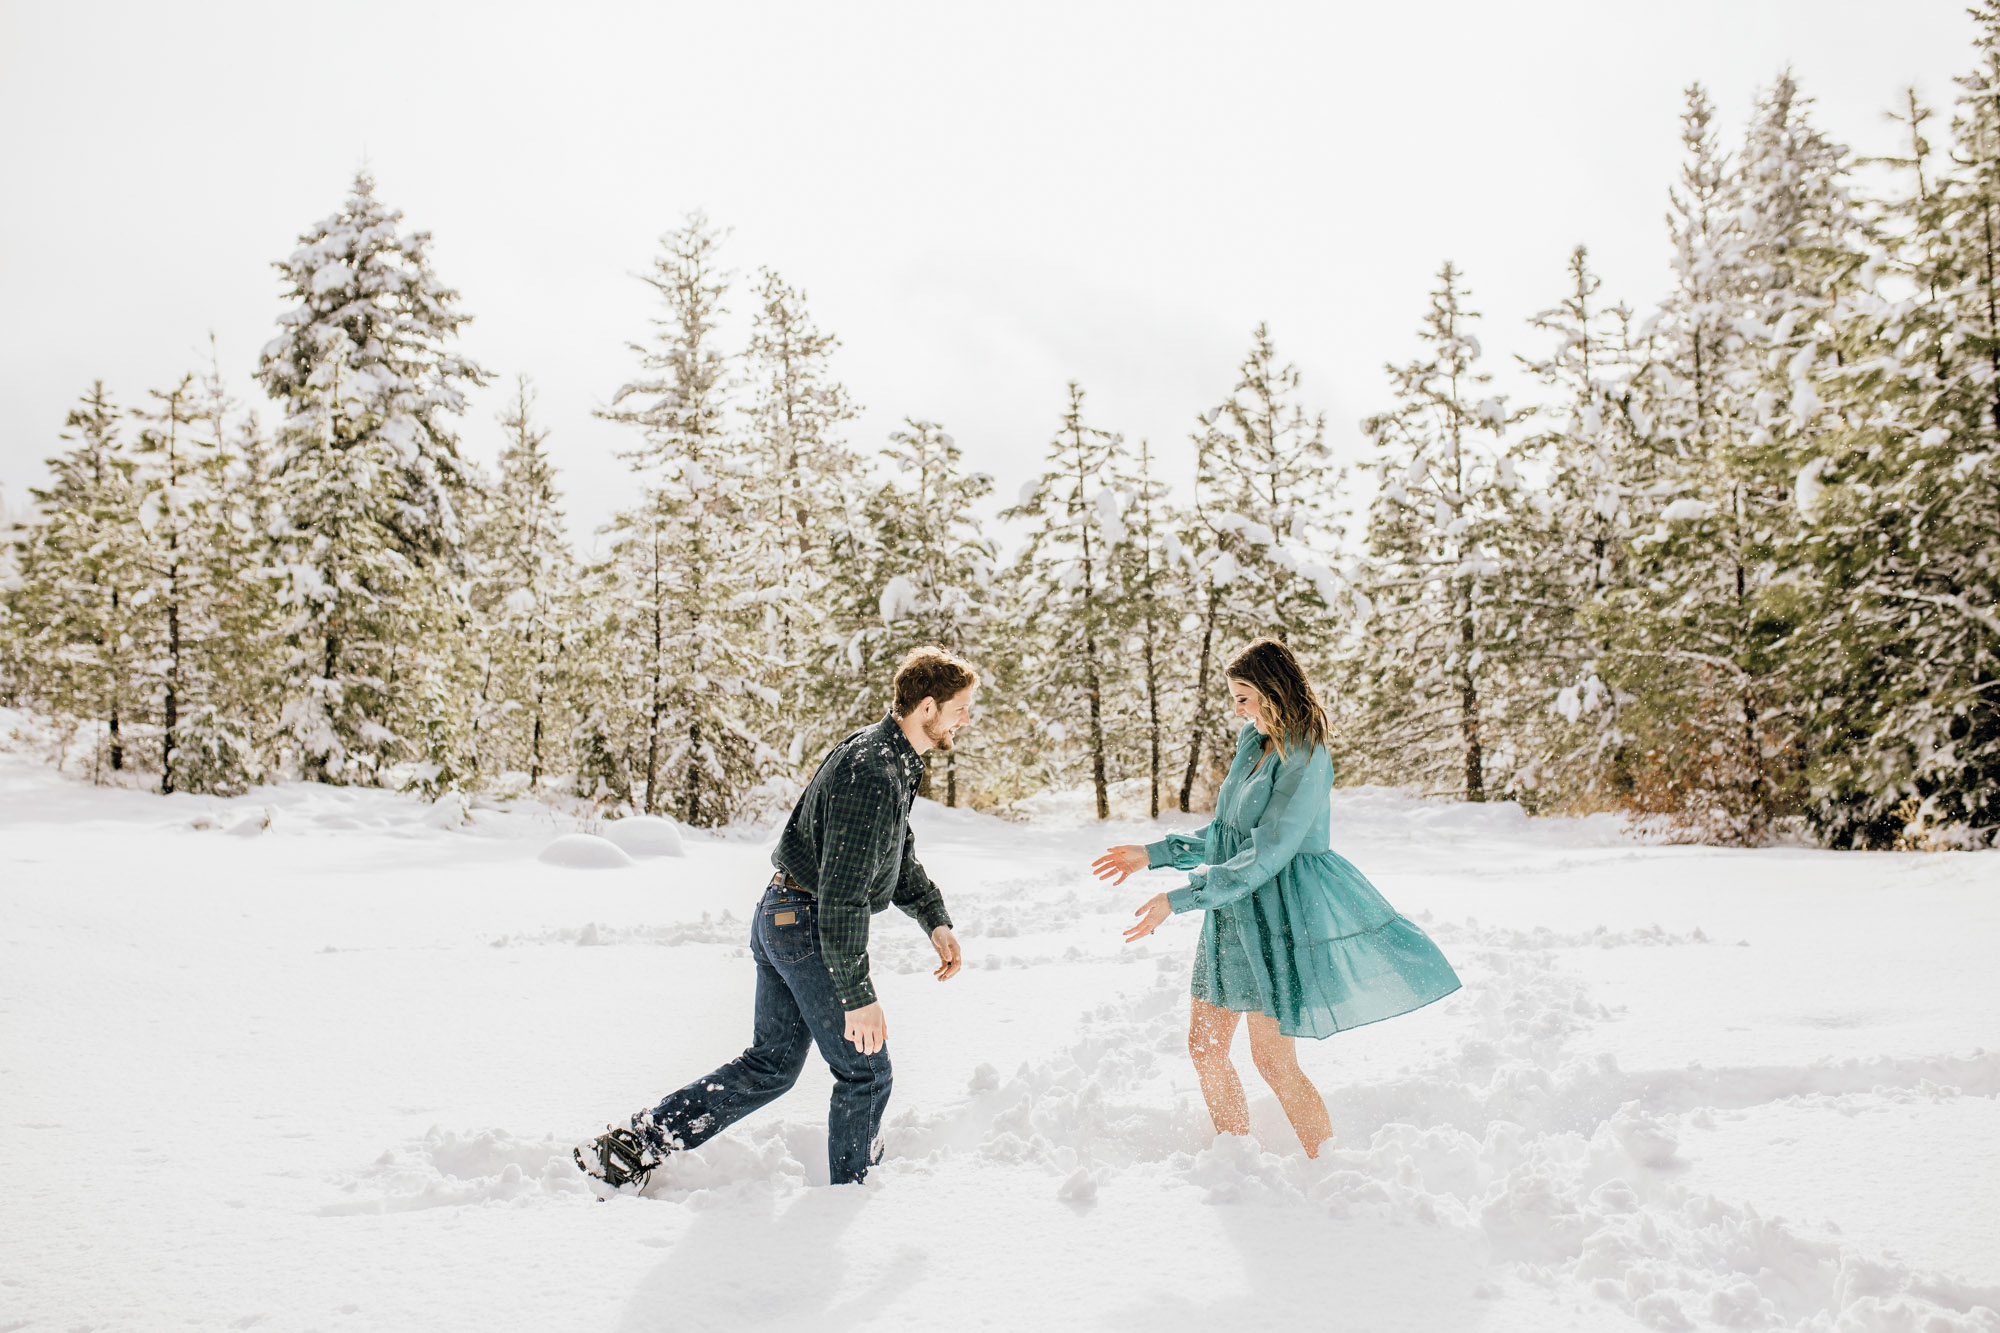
1063, 576
79, 579
933, 566
372, 486
1147, 566
1267, 489
1437, 582
521, 591
14, 669
1705, 634
198, 623
1898, 508
1567, 543
804, 496
689, 550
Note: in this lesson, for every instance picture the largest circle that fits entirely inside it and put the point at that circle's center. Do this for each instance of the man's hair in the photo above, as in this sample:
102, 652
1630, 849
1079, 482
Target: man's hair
930, 673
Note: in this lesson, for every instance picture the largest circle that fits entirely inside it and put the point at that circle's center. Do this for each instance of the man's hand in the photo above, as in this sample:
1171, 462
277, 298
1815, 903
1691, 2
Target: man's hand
950, 960
867, 1028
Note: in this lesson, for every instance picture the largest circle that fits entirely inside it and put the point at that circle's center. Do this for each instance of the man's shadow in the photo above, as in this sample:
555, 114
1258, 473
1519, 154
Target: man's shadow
765, 1261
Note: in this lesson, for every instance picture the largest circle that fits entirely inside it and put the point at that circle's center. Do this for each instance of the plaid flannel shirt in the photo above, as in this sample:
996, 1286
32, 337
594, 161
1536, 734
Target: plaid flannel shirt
848, 841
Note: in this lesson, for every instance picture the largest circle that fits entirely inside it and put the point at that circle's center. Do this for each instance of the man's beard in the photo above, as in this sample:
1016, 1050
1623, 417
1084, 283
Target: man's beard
938, 734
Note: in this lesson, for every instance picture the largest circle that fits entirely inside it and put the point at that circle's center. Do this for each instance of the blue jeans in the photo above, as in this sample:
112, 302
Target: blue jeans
796, 1009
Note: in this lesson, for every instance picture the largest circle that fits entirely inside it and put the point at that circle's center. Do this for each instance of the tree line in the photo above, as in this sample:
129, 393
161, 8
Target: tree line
1735, 568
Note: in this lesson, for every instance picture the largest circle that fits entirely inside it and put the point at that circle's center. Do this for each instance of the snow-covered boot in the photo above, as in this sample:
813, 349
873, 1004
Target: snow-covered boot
620, 1158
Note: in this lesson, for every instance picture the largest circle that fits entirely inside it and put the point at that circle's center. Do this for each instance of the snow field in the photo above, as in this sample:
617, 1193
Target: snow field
325, 1074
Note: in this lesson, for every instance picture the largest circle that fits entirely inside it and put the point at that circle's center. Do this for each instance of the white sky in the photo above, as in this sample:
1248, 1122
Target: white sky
982, 201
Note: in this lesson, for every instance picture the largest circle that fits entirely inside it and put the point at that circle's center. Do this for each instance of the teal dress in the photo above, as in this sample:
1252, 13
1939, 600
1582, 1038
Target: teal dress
1291, 928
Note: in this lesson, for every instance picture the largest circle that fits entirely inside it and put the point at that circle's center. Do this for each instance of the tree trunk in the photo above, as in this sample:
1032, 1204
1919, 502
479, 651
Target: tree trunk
1475, 768
117, 741
1153, 719
652, 802
170, 706
951, 780
694, 773
1753, 751
1992, 317
1200, 698
1091, 687
535, 752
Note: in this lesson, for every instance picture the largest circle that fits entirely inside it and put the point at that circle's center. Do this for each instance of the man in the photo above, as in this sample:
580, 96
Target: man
846, 854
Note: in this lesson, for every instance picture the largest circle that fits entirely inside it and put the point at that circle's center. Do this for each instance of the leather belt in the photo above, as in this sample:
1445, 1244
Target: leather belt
781, 880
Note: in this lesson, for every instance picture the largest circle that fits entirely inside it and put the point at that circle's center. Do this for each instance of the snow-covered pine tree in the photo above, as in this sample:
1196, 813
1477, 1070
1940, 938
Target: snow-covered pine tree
1266, 512
372, 485
197, 623
602, 679
689, 550
933, 568
1704, 643
78, 579
1064, 579
522, 583
245, 647
1566, 540
13, 630
1225, 612
805, 498
1267, 487
1902, 655
1148, 567
1436, 581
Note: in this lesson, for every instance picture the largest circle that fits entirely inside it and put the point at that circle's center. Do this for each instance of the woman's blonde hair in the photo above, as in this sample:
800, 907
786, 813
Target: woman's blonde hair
1289, 709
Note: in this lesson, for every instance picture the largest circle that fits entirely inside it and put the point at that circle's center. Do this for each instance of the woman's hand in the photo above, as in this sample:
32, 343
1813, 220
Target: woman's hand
1151, 913
1120, 861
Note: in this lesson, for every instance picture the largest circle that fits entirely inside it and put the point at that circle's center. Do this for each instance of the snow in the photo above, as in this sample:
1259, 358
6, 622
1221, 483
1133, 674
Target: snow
899, 599
327, 1077
1807, 487
584, 851
646, 835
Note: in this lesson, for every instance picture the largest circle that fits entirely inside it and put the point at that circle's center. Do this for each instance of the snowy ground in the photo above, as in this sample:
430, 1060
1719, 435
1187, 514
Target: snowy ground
324, 1075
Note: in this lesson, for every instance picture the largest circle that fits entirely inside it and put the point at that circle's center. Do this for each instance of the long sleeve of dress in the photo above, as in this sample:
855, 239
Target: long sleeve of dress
1182, 851
1298, 796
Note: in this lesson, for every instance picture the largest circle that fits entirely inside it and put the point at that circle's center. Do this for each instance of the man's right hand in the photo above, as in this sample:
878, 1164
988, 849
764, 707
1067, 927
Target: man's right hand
867, 1028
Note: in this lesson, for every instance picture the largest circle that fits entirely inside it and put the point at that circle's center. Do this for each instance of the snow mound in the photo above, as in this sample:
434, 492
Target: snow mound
448, 1169
584, 851
251, 825
646, 835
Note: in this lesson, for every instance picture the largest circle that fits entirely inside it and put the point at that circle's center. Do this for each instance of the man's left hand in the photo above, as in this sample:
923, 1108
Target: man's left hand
949, 958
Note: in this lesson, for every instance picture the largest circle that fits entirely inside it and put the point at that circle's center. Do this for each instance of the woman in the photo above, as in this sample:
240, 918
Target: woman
1291, 933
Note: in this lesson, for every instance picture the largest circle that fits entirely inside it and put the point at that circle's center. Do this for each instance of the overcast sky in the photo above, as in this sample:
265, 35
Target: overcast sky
982, 201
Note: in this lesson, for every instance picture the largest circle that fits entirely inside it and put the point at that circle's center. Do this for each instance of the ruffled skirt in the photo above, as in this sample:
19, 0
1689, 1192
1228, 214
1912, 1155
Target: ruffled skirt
1320, 950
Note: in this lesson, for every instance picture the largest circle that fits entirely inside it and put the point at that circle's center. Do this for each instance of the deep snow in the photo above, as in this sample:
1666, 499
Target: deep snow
324, 1074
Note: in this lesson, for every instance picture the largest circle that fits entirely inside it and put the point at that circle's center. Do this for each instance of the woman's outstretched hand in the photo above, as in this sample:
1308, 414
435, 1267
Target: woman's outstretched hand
1151, 913
1120, 861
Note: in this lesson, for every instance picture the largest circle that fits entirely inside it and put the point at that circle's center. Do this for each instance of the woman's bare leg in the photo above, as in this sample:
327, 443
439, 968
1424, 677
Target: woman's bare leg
1277, 1060
1210, 1031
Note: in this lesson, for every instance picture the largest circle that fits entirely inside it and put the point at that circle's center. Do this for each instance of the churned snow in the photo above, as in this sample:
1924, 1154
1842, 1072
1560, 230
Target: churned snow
325, 1075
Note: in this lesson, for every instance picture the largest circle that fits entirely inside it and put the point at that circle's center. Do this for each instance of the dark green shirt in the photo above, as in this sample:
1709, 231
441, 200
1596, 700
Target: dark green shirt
849, 843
